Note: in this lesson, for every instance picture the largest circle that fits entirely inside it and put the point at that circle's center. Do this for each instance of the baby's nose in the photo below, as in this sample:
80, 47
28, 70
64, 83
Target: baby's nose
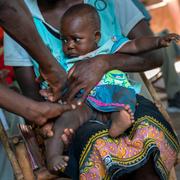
71, 45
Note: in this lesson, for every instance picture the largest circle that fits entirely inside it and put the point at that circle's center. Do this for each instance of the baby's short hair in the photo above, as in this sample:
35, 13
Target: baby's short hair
84, 11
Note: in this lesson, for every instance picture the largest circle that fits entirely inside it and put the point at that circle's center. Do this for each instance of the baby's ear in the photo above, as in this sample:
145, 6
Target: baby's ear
97, 36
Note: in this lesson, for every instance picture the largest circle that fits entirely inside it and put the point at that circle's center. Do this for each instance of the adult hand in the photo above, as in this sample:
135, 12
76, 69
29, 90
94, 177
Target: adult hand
44, 111
56, 78
46, 130
85, 75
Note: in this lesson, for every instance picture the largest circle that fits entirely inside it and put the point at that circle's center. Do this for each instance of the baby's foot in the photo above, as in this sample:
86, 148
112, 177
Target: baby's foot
164, 41
121, 121
57, 163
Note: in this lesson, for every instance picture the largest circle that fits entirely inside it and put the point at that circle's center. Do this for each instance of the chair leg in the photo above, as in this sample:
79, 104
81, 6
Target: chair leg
156, 99
15, 165
24, 161
163, 111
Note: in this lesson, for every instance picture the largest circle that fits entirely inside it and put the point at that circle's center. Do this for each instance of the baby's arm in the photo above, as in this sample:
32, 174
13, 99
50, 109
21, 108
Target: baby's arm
144, 44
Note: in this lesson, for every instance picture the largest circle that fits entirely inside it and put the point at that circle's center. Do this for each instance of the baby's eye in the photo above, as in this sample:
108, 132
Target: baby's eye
77, 39
64, 40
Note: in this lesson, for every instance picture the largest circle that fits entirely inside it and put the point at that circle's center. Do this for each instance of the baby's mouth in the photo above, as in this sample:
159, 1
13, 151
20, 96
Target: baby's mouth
72, 54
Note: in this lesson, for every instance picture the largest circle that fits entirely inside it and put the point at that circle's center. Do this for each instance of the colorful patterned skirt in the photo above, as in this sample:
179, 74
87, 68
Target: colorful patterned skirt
94, 155
112, 93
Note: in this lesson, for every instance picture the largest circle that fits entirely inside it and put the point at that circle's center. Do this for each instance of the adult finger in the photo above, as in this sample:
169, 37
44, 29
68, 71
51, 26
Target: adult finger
74, 91
49, 95
39, 79
67, 136
69, 132
71, 72
71, 87
65, 140
65, 107
45, 92
55, 95
46, 130
56, 110
73, 76
79, 101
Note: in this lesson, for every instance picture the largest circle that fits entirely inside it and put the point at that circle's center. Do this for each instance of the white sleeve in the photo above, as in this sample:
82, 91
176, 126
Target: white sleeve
14, 54
127, 14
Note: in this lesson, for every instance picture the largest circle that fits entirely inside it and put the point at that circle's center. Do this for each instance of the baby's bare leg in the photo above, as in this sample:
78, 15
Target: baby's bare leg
121, 121
54, 146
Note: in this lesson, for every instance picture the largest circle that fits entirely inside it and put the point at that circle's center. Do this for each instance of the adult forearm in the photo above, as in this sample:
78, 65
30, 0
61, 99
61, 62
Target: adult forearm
130, 63
150, 59
141, 45
17, 21
17, 103
26, 79
145, 44
86, 78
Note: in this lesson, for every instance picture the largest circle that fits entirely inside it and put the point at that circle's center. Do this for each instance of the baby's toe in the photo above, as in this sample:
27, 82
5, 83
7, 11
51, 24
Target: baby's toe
55, 168
126, 107
130, 111
66, 158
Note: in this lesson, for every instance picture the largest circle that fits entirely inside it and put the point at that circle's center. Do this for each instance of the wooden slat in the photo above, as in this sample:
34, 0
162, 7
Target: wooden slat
162, 109
24, 162
15, 165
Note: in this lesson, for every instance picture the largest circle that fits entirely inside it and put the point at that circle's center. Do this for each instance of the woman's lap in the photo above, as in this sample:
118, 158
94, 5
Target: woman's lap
102, 157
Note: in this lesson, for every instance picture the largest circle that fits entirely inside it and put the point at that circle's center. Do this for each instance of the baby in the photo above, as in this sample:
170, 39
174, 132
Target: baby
113, 97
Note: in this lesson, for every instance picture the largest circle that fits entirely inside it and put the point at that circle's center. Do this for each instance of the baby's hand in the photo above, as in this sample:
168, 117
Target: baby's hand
165, 41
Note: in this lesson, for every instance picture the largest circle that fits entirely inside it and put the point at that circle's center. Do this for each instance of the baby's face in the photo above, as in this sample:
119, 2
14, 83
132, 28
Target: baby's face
78, 37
